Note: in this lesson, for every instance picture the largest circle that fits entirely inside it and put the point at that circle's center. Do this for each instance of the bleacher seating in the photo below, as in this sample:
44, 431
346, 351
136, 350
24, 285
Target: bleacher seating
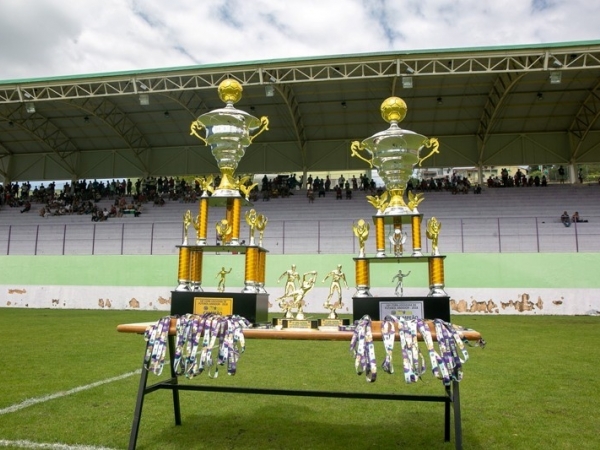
523, 219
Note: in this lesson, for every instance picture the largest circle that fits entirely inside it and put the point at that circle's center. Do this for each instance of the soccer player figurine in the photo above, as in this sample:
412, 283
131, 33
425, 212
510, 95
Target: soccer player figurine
222, 273
397, 239
336, 277
400, 286
290, 283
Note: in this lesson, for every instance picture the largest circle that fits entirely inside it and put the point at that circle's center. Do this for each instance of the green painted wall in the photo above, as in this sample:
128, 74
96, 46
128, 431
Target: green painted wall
541, 270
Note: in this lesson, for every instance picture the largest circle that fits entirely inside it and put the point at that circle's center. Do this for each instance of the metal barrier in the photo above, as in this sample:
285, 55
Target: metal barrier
459, 235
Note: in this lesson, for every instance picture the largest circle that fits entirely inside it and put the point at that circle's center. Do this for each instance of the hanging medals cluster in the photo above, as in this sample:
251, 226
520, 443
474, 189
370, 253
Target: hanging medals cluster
446, 361
196, 338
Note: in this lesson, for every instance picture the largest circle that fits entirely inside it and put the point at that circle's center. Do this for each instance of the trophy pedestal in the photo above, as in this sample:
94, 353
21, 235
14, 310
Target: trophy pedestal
333, 322
300, 324
254, 307
409, 307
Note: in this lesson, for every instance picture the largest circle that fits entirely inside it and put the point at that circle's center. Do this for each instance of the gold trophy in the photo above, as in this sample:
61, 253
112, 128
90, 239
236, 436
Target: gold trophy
228, 134
223, 230
251, 219
261, 224
361, 231
394, 153
335, 288
294, 300
433, 232
187, 221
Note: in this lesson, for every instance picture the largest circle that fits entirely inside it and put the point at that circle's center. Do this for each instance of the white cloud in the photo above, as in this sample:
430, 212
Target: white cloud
42, 38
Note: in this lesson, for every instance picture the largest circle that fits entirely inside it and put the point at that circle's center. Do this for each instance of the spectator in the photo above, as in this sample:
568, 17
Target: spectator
565, 219
561, 174
576, 218
27, 207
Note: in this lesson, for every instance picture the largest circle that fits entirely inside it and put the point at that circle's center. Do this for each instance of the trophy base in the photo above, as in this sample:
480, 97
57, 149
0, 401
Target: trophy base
333, 322
298, 324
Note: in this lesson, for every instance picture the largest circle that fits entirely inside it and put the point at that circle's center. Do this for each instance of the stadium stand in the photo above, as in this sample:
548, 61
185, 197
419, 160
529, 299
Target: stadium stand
523, 219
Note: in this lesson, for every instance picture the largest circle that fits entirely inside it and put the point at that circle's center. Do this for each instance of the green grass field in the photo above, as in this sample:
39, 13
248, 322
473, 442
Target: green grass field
533, 387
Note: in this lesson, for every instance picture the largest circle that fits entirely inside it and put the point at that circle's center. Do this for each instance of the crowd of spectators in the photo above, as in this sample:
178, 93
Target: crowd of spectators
518, 179
286, 185
458, 184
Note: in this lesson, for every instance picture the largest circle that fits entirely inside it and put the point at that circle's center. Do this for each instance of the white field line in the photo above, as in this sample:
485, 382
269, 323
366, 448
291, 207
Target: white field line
34, 401
29, 444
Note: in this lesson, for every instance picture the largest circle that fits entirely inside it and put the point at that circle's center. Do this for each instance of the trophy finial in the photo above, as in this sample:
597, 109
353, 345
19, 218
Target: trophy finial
230, 91
393, 109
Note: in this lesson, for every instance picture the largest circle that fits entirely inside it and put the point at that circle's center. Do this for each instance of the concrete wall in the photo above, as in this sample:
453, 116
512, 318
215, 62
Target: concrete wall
477, 283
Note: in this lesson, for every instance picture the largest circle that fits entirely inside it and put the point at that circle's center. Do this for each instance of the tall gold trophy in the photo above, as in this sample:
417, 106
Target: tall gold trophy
228, 131
395, 152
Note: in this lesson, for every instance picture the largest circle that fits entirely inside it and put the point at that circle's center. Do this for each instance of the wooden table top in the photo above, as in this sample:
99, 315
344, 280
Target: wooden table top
294, 333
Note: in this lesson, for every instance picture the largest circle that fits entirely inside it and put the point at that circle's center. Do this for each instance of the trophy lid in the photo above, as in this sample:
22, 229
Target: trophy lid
230, 92
395, 137
393, 110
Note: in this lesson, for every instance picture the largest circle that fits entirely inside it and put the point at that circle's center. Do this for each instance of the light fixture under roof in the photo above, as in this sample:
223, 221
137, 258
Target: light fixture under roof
555, 77
30, 107
144, 99
407, 82
269, 90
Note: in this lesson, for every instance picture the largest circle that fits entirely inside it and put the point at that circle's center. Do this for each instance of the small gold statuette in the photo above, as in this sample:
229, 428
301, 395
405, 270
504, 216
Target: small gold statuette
399, 291
197, 223
337, 277
295, 299
291, 277
261, 224
223, 230
380, 202
206, 184
251, 220
397, 238
221, 276
361, 231
246, 186
433, 233
187, 220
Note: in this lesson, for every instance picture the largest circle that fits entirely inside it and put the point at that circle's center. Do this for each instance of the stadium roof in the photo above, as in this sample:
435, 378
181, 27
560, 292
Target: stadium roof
495, 106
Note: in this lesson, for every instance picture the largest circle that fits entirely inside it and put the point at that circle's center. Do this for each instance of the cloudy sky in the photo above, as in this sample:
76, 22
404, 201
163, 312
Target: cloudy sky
43, 38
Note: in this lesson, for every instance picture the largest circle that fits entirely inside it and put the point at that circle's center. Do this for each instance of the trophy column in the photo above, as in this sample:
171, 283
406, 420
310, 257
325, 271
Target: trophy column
203, 228
416, 235
436, 277
379, 236
196, 270
362, 277
250, 270
262, 263
183, 270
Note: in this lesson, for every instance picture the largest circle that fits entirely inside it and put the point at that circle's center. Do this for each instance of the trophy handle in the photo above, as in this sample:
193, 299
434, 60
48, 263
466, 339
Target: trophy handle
195, 128
355, 147
264, 126
428, 143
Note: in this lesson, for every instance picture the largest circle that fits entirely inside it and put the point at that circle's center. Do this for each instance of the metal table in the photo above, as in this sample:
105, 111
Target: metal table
450, 398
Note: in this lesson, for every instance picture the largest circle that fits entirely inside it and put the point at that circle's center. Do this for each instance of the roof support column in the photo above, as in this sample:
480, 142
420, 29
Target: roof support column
480, 180
572, 174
